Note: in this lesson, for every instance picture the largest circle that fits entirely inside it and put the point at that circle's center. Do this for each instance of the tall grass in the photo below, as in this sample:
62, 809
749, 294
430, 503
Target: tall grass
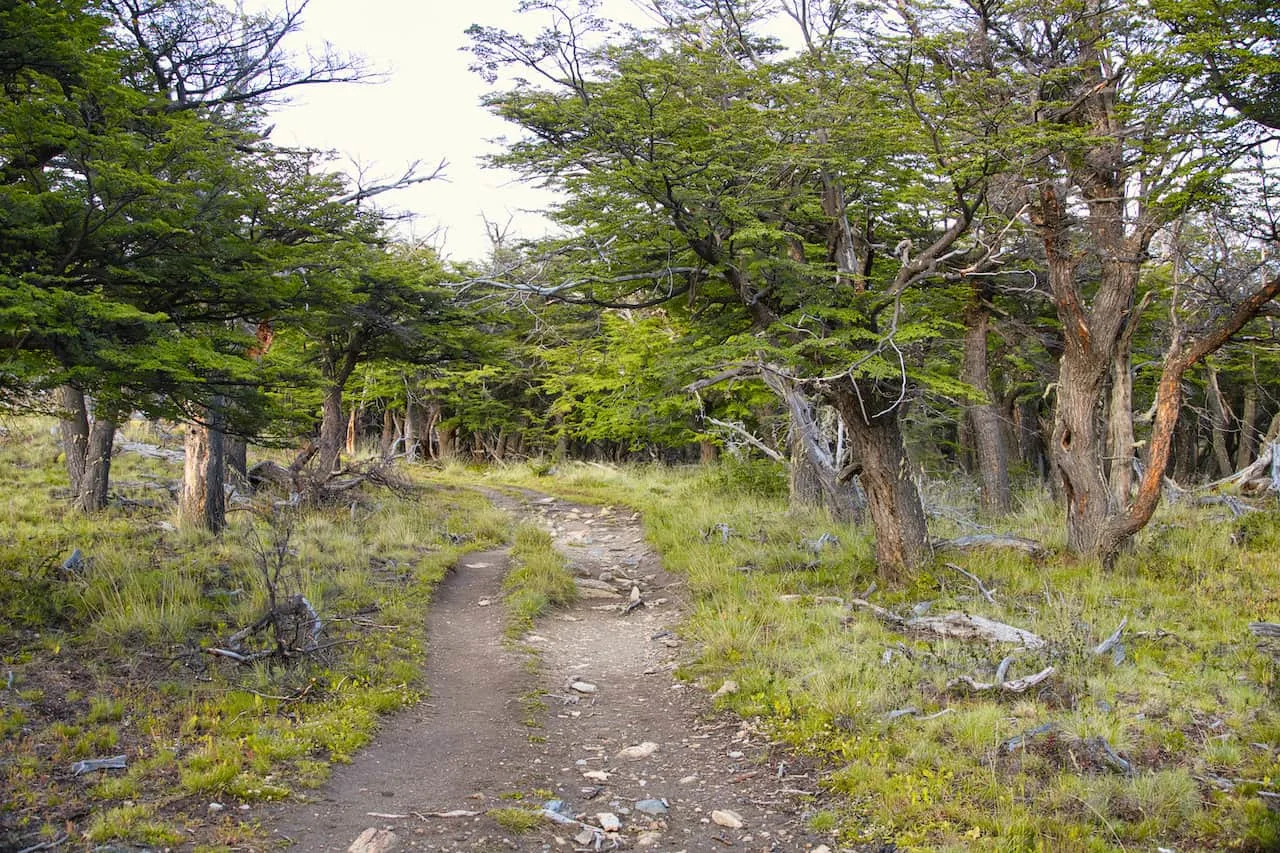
539, 579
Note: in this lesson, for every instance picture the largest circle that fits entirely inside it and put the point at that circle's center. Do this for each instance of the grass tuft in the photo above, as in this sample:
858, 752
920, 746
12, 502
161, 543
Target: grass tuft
539, 580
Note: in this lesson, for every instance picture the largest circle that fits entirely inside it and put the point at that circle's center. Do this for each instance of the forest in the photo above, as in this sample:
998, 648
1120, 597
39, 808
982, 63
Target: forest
976, 295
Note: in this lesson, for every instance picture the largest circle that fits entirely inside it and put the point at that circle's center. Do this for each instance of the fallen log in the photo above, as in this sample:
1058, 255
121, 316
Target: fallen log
1269, 630
963, 626
151, 451
992, 540
957, 625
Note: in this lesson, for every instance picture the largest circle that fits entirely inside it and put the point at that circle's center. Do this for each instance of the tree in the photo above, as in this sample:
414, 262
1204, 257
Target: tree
1116, 152
361, 302
699, 161
131, 161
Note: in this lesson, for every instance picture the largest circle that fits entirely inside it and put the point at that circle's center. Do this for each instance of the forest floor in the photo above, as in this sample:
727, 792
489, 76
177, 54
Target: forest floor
584, 710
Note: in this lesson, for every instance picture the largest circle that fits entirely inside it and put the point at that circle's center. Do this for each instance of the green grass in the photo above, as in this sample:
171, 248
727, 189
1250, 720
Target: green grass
1192, 705
539, 579
516, 820
1193, 699
109, 660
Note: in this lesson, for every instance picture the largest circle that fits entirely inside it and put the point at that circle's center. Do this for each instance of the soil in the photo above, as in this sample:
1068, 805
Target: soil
514, 725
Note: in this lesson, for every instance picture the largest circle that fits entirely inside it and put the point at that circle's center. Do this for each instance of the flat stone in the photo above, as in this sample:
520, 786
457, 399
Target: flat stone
728, 819
729, 686
583, 687
638, 751
592, 583
592, 592
609, 821
374, 840
653, 807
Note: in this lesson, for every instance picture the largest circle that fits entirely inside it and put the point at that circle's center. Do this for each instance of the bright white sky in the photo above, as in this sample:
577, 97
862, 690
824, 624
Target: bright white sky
428, 109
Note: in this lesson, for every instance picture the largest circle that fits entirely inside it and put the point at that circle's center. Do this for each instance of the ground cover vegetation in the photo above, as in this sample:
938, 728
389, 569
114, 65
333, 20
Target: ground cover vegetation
921, 273
126, 649
1164, 737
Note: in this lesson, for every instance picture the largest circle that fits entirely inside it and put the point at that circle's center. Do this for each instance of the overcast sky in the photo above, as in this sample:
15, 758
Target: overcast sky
428, 109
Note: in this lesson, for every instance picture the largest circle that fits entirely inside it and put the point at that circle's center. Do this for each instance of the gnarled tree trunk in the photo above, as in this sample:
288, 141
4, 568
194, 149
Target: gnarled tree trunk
813, 479
203, 503
87, 443
1222, 415
332, 431
893, 502
1120, 440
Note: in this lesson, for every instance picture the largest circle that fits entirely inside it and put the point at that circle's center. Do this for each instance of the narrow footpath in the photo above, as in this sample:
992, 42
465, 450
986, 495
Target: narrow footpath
583, 717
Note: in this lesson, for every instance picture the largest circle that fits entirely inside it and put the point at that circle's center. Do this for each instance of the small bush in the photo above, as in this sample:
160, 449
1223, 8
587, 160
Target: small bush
747, 476
516, 820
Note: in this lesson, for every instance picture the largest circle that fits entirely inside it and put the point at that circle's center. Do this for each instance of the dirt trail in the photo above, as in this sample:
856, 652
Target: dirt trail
607, 677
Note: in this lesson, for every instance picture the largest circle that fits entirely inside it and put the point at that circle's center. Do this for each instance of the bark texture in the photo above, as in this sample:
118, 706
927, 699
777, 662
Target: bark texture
87, 442
893, 502
203, 503
983, 415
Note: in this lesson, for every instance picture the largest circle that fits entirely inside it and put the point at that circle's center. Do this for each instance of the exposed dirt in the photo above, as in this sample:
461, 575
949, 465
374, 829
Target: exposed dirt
481, 743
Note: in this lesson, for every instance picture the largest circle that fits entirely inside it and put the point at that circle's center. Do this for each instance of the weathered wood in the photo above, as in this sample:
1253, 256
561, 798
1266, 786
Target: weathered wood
296, 627
993, 540
1112, 641
960, 626
986, 593
151, 451
1019, 685
964, 626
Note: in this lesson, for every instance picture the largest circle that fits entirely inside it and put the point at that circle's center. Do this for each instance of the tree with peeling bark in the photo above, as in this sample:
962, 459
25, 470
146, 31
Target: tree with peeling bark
811, 197
1115, 152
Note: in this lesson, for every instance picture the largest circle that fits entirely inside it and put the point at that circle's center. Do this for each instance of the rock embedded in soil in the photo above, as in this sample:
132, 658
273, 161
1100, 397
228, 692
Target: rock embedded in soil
640, 750
654, 807
727, 818
583, 687
374, 840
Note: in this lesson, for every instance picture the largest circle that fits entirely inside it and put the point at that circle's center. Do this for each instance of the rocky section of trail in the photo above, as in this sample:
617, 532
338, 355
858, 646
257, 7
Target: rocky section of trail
626, 744
584, 724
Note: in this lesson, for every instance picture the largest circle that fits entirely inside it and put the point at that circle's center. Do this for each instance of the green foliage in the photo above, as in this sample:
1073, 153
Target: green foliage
747, 476
131, 823
516, 820
623, 385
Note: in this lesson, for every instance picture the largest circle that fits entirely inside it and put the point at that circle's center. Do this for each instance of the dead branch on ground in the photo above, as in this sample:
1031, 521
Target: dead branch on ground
992, 540
960, 626
1018, 685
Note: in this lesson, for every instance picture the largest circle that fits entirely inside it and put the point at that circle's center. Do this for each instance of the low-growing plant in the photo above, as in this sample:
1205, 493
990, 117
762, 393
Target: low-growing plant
516, 820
